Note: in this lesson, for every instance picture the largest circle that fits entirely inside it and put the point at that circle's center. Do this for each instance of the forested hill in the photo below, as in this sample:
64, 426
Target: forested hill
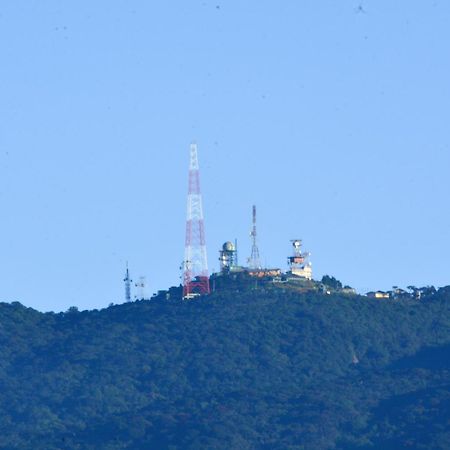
260, 369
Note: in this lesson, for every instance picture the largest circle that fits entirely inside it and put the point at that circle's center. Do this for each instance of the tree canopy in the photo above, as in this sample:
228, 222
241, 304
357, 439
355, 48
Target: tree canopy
266, 368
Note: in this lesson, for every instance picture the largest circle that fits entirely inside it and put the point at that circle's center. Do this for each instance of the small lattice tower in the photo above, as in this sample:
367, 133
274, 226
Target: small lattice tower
195, 270
127, 281
254, 260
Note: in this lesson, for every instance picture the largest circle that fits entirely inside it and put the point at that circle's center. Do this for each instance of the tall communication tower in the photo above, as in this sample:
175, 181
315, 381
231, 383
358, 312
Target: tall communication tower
127, 280
195, 270
254, 260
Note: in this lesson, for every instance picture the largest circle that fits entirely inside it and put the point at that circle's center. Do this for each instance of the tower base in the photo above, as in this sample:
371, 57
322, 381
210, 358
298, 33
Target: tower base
195, 288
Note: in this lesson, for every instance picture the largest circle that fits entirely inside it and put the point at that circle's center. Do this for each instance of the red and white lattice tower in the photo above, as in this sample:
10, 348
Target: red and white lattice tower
195, 277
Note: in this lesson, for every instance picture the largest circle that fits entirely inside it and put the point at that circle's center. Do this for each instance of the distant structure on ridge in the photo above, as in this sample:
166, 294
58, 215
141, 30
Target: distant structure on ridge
127, 280
228, 257
141, 287
195, 265
298, 263
254, 261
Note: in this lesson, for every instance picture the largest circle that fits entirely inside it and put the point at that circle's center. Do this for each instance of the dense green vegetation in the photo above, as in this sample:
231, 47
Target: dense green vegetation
256, 369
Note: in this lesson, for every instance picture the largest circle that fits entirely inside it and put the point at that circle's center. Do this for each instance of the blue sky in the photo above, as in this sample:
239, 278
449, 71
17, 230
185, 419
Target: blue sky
332, 119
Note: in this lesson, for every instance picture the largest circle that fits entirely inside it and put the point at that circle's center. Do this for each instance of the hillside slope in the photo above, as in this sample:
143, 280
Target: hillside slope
261, 369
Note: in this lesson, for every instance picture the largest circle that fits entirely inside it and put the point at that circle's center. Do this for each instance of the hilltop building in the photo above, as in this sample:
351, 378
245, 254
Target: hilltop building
378, 295
228, 264
299, 265
228, 257
263, 273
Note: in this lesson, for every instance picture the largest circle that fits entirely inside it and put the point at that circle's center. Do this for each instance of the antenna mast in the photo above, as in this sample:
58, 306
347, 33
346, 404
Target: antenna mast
195, 276
127, 280
254, 260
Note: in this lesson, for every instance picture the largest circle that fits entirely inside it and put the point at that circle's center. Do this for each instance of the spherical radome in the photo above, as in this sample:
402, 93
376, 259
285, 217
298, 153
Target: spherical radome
228, 247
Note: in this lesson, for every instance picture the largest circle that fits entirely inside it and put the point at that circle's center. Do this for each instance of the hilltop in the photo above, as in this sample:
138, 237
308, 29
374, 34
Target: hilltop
269, 368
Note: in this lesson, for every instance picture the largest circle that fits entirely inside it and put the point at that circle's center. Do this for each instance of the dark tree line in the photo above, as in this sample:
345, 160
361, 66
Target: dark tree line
241, 369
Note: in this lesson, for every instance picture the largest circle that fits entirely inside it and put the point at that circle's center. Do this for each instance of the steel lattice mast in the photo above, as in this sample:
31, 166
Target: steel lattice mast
254, 260
195, 277
127, 280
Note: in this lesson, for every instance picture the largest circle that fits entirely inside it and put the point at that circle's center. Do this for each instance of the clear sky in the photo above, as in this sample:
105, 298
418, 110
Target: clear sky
331, 116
